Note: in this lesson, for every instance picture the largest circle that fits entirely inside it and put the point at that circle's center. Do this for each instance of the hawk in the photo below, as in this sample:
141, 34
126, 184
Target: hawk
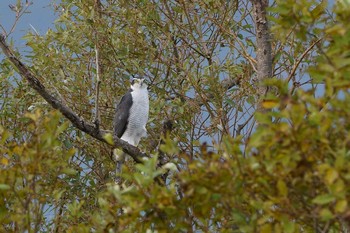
131, 116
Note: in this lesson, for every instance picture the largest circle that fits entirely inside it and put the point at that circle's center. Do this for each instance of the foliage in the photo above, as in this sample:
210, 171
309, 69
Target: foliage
34, 173
222, 173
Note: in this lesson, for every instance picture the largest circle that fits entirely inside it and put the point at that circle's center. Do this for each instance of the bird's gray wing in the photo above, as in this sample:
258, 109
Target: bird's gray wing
122, 114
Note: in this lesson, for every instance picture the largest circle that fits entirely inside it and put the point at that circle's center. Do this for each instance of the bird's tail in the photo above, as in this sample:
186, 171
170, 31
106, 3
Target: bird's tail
119, 156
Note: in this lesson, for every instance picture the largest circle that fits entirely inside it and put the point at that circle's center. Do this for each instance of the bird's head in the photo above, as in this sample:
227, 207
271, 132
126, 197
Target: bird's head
138, 83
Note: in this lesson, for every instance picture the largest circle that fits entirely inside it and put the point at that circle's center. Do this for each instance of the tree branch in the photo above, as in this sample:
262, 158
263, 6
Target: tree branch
77, 121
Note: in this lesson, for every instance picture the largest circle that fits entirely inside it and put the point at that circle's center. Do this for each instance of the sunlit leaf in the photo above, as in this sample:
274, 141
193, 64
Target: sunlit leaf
341, 206
323, 199
109, 138
4, 187
326, 214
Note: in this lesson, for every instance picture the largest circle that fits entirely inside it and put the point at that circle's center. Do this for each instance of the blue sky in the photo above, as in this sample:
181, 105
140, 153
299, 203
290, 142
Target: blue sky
41, 17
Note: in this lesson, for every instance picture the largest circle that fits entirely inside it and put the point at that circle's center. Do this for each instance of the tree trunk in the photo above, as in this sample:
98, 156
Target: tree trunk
263, 51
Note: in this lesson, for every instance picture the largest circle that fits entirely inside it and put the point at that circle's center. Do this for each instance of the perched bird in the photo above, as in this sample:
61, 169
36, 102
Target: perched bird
131, 116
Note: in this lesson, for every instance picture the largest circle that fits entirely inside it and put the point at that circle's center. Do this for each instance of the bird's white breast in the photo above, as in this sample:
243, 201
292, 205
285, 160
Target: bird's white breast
136, 128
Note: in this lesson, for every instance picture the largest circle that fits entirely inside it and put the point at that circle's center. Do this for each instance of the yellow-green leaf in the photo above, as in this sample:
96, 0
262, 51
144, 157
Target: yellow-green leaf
4, 187
69, 171
341, 206
268, 104
109, 138
266, 228
326, 214
323, 199
331, 176
4, 161
282, 188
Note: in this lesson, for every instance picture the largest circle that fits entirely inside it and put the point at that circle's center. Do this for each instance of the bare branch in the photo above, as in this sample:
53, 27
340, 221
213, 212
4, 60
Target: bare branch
56, 103
19, 13
296, 65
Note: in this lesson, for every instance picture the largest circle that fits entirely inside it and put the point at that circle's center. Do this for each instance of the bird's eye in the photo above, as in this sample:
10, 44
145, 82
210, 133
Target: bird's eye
133, 81
137, 81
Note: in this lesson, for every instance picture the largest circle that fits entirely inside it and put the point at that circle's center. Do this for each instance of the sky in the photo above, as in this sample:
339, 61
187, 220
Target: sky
41, 17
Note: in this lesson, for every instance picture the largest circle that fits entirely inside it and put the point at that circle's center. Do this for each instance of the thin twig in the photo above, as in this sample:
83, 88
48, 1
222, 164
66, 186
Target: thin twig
241, 126
296, 65
19, 14
98, 82
97, 119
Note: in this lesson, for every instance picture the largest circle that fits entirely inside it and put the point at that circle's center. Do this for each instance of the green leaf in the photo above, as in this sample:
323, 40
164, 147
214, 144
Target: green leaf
288, 225
323, 199
326, 214
4, 187
69, 171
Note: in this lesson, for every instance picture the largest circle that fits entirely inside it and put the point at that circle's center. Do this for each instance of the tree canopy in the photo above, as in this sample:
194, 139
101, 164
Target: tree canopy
249, 117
